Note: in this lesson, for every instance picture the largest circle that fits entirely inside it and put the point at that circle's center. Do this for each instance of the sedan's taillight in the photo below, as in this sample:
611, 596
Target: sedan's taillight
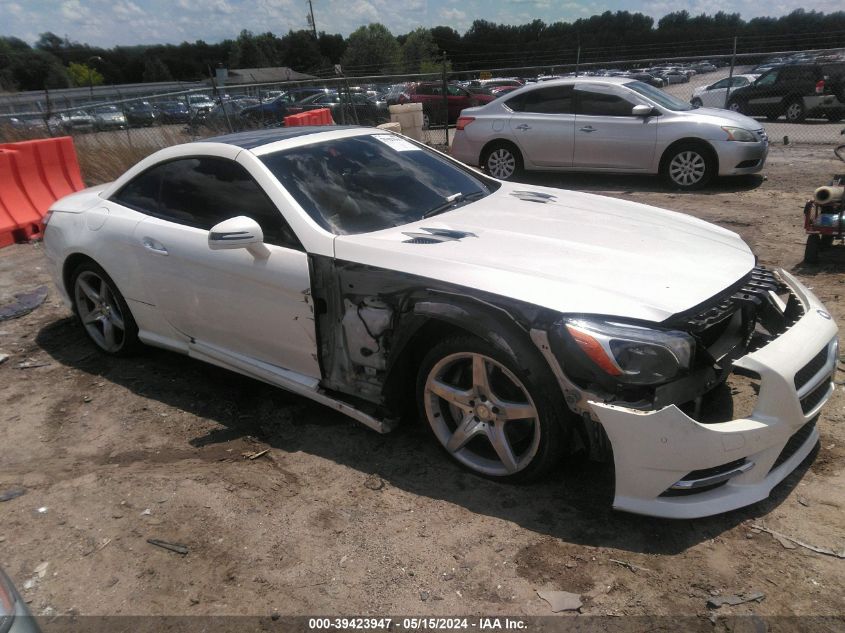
464, 121
820, 86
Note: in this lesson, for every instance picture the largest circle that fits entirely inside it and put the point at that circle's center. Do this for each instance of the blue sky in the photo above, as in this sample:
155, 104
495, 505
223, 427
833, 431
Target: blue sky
111, 22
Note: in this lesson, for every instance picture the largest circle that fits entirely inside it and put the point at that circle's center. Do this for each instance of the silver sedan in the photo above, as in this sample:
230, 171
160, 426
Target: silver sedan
608, 124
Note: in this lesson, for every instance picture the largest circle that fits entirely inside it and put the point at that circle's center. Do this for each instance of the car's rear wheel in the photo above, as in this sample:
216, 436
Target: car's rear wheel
502, 161
688, 166
426, 120
795, 111
491, 417
103, 311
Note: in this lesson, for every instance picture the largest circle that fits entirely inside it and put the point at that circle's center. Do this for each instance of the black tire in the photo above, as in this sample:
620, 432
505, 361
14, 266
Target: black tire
688, 166
98, 315
795, 111
502, 161
735, 105
535, 444
811, 250
696, 103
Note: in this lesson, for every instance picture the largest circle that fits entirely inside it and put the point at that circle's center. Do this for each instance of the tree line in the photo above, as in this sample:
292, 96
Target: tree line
56, 62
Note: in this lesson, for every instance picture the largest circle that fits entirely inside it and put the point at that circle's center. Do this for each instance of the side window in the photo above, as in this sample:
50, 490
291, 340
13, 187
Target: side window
739, 82
768, 79
553, 100
600, 104
424, 90
455, 91
721, 84
142, 192
200, 192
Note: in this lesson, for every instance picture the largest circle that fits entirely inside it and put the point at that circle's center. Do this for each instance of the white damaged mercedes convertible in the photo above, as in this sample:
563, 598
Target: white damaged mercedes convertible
525, 325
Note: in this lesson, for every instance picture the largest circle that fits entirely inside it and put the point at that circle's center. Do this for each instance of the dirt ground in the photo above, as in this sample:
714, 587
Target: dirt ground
336, 519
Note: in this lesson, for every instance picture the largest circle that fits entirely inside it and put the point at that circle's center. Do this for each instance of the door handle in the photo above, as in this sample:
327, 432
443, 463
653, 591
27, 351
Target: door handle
588, 128
154, 246
524, 126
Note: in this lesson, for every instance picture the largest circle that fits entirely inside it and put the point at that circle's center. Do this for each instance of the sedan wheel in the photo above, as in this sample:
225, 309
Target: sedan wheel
103, 311
503, 163
688, 168
482, 414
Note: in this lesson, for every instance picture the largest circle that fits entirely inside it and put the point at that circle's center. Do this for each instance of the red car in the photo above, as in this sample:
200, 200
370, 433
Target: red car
430, 94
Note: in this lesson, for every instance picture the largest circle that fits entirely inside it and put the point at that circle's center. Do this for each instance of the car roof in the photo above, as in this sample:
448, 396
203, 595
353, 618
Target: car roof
256, 138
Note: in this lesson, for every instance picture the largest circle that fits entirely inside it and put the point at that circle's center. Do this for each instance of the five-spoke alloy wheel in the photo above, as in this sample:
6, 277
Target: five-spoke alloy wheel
102, 310
485, 415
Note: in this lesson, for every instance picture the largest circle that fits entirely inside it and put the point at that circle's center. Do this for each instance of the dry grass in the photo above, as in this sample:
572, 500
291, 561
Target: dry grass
103, 156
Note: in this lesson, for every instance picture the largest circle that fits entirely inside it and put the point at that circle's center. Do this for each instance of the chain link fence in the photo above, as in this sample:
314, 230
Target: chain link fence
112, 133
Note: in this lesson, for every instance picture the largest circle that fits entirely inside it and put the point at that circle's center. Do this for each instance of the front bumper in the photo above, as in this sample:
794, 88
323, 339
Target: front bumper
740, 158
655, 450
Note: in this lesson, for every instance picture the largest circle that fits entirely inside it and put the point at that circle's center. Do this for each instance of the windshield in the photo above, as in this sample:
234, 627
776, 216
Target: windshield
372, 182
658, 96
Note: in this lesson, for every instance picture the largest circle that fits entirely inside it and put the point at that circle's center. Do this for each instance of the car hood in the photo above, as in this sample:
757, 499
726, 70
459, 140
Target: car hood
719, 116
572, 253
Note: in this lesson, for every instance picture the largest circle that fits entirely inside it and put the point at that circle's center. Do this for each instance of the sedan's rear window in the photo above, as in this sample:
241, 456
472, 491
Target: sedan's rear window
372, 182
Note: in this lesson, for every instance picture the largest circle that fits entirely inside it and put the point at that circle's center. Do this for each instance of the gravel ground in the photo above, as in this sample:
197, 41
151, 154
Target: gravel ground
335, 519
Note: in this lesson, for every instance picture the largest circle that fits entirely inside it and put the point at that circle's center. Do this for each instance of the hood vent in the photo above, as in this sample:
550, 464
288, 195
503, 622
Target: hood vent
436, 236
533, 196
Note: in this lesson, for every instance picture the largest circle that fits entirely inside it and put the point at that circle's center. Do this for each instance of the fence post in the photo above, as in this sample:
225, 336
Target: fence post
730, 76
47, 111
445, 88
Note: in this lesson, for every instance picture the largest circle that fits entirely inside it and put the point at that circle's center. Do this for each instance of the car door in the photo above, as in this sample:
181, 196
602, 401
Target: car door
229, 301
714, 95
607, 135
458, 99
542, 125
764, 95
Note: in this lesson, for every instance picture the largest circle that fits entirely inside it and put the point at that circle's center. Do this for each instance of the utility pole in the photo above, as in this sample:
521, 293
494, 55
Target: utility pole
310, 18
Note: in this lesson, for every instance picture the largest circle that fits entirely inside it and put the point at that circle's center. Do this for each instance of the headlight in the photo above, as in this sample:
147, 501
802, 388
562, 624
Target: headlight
740, 134
633, 354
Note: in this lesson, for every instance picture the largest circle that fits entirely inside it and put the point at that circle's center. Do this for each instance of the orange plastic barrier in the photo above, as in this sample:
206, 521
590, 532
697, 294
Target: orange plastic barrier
19, 219
33, 175
323, 116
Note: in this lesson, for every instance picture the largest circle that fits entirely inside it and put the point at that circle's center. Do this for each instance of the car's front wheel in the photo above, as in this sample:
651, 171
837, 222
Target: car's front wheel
102, 310
502, 161
491, 417
736, 106
688, 166
696, 103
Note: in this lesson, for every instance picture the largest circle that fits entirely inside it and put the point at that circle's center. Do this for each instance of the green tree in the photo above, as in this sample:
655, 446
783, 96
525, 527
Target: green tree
300, 51
84, 75
371, 49
418, 49
247, 52
156, 70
